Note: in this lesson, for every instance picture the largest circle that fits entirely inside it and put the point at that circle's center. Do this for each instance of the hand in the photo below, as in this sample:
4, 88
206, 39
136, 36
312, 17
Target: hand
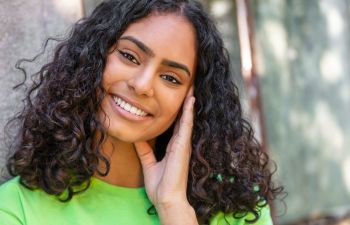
166, 181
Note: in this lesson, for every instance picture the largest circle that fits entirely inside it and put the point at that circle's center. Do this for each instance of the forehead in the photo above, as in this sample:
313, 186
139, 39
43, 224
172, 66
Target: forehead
169, 36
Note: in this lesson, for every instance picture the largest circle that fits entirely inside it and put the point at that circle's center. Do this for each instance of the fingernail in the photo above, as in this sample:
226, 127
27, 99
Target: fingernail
193, 100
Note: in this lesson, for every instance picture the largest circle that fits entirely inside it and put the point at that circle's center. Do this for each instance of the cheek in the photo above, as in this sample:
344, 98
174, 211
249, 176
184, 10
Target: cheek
114, 71
172, 107
106, 78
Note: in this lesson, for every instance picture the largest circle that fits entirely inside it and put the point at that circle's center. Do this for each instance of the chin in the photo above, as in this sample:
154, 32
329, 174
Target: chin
129, 137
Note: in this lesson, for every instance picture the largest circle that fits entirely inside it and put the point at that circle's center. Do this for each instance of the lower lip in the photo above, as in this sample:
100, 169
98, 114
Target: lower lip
125, 114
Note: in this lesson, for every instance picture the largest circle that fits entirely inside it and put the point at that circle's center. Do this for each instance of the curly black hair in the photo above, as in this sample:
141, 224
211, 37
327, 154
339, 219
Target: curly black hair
54, 150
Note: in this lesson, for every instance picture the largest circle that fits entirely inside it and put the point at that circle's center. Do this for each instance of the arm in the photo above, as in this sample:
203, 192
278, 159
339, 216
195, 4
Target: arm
11, 207
166, 181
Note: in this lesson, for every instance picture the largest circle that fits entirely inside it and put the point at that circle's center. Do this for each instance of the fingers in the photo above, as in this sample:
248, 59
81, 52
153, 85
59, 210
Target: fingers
189, 94
190, 91
186, 121
180, 148
145, 154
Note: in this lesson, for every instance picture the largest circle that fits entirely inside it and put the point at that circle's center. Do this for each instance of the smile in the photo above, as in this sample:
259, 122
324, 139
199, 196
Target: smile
129, 107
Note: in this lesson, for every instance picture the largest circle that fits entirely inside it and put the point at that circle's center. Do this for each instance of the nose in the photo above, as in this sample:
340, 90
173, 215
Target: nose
142, 82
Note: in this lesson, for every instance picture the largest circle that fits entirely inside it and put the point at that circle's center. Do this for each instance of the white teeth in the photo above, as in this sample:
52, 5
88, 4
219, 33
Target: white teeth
133, 110
127, 107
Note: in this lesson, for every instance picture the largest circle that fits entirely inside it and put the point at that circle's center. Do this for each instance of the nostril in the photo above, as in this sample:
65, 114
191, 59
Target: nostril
141, 86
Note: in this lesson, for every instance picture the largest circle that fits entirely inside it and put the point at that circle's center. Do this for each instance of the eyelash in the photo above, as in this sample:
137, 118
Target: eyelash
171, 79
129, 57
132, 59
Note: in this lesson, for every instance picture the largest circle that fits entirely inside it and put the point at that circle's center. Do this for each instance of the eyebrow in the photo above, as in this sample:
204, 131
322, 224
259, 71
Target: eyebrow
149, 52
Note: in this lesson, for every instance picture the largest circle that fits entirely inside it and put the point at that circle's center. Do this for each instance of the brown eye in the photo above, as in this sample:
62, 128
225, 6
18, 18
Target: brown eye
171, 79
129, 57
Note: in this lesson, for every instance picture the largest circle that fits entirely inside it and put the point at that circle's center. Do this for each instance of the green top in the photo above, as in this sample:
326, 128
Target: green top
101, 203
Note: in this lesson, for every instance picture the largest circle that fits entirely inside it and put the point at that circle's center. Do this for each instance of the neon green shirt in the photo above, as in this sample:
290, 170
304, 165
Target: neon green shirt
101, 203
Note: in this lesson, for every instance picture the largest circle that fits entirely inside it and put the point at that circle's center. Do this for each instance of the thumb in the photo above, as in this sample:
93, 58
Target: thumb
145, 154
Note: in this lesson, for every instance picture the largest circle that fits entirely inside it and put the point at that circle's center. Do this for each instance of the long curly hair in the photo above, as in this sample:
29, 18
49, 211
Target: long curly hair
58, 125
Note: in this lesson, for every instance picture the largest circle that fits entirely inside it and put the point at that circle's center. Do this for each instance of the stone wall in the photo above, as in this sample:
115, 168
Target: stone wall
24, 27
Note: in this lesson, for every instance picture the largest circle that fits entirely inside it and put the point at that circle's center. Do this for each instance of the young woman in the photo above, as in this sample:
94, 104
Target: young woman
136, 120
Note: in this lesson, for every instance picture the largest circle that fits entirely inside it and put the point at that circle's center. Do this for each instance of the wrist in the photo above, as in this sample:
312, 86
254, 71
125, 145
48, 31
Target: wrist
173, 206
176, 213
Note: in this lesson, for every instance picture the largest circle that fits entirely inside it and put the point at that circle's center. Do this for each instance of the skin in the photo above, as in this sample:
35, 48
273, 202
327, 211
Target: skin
152, 65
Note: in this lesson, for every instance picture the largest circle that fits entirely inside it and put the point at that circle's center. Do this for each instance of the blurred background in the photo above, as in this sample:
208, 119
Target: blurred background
291, 63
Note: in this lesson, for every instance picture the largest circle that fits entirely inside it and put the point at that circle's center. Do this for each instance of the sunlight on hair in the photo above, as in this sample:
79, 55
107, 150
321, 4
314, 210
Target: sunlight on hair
331, 66
70, 9
335, 21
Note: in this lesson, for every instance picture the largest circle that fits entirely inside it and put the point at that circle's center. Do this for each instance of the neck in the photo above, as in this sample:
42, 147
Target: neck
125, 166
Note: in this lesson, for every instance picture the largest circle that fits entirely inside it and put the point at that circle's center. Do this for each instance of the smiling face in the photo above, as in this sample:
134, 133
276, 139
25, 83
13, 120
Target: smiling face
147, 76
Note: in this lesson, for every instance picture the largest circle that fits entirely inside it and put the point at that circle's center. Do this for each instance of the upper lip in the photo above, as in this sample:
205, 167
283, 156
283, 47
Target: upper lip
132, 103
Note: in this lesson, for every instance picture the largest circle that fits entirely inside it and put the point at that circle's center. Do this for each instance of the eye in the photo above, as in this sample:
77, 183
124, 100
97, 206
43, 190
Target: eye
171, 79
129, 57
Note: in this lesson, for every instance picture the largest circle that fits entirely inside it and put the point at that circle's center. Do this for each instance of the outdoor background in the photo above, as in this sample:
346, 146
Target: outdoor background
295, 86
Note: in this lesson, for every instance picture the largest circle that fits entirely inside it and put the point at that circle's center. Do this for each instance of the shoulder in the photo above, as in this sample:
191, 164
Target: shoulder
228, 219
11, 189
11, 209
